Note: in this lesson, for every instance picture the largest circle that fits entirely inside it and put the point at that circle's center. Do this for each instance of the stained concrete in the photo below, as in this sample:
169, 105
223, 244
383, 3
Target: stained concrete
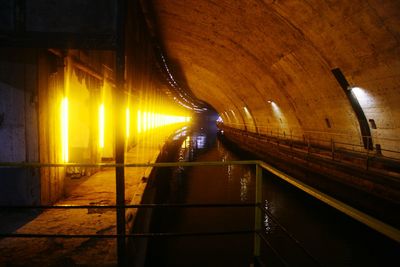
98, 189
237, 54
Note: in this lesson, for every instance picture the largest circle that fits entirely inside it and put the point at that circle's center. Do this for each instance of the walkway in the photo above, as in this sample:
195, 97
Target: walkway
98, 189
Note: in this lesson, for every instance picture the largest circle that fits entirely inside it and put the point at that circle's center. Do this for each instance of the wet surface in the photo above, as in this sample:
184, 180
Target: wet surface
318, 234
211, 184
331, 238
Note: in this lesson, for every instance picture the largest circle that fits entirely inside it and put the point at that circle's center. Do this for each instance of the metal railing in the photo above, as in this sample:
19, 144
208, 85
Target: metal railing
259, 236
387, 147
331, 149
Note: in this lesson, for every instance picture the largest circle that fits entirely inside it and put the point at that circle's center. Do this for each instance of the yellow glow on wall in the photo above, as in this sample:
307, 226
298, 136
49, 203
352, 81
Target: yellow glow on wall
148, 120
248, 114
144, 123
151, 120
128, 122
101, 126
64, 129
139, 121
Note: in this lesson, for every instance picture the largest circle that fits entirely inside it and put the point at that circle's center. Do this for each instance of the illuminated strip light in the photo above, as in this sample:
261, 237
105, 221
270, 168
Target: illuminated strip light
144, 123
128, 122
139, 121
362, 96
150, 120
101, 126
64, 129
153, 120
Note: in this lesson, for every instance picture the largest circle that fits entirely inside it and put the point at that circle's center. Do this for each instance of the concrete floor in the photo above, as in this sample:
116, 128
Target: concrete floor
98, 189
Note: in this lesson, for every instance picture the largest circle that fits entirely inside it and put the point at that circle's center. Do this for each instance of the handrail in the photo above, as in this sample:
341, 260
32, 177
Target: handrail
290, 130
119, 165
321, 147
360, 216
373, 223
162, 205
142, 235
308, 136
123, 235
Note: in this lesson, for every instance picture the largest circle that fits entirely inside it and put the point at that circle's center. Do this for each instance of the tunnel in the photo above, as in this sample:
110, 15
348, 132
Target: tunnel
101, 98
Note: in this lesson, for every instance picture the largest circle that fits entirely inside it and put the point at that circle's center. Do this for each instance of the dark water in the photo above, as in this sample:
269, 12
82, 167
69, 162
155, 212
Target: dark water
319, 235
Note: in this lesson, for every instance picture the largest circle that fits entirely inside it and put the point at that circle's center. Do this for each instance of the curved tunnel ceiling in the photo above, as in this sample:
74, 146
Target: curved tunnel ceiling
266, 65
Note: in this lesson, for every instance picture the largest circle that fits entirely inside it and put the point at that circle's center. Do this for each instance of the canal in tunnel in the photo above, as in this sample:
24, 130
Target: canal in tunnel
318, 234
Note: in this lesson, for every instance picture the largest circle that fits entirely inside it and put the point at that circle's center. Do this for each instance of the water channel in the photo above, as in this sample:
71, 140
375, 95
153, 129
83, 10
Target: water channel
317, 235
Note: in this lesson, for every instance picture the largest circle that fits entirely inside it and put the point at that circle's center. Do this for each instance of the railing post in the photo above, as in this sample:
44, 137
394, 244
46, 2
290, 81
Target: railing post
257, 210
119, 136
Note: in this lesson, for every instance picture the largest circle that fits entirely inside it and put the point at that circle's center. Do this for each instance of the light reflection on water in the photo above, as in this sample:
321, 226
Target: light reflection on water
209, 184
269, 224
200, 141
179, 133
224, 155
200, 145
229, 172
310, 222
244, 182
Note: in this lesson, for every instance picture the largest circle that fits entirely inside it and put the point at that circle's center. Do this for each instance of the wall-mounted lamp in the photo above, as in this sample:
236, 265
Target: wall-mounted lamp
361, 95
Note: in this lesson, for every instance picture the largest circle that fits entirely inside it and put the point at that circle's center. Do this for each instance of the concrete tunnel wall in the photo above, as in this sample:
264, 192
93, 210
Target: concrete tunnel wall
18, 126
35, 80
237, 54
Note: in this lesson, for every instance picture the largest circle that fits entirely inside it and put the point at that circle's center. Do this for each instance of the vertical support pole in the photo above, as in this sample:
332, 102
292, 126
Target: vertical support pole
257, 211
119, 105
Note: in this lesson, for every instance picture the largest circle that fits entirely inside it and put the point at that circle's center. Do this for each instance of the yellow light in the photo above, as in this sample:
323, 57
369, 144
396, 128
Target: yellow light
101, 126
144, 123
148, 122
128, 122
151, 120
139, 121
64, 129
157, 119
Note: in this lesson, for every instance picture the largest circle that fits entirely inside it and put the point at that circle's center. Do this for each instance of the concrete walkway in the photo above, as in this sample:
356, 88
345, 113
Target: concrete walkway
98, 189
